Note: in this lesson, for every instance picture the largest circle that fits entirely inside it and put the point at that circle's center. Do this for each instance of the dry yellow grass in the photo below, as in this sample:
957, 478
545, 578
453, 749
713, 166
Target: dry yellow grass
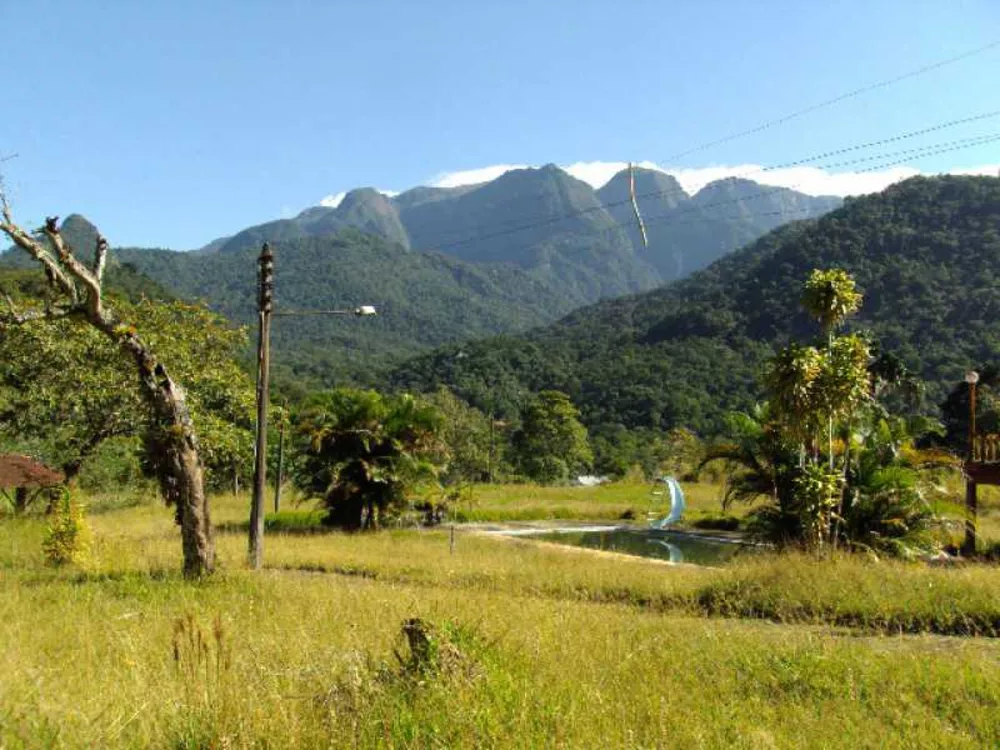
561, 650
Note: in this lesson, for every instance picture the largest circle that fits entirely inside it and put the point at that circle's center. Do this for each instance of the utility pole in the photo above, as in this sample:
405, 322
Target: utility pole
265, 311
971, 501
281, 453
264, 308
489, 461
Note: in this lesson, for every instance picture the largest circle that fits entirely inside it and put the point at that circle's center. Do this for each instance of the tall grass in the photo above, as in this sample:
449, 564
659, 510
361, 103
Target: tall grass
555, 648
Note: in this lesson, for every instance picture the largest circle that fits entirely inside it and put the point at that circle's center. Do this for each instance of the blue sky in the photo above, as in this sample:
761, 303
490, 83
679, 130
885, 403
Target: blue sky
171, 123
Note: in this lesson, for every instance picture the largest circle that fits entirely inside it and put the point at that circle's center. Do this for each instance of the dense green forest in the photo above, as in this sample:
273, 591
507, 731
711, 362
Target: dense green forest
924, 252
423, 299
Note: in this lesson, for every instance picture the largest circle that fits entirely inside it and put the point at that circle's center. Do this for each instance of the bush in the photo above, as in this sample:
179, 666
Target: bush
67, 538
717, 523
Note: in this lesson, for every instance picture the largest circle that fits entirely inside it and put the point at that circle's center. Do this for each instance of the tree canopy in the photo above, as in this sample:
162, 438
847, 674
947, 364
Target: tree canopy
65, 389
552, 444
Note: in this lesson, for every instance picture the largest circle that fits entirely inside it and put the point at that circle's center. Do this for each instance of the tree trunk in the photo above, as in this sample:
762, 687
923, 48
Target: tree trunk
21, 501
196, 526
345, 509
179, 467
71, 468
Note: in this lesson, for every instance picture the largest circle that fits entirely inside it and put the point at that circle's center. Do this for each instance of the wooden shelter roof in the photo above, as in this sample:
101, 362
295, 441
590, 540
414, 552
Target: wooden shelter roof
21, 471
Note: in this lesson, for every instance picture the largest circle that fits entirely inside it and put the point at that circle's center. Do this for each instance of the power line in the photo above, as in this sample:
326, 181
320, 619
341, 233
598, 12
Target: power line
835, 100
513, 226
915, 153
932, 150
667, 218
884, 141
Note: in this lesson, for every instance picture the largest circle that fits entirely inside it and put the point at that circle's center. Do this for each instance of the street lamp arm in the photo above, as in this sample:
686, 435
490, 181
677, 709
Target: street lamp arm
364, 310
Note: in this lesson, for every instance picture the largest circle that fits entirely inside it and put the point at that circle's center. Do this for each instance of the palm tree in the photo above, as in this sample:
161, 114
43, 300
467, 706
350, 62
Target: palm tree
363, 451
884, 503
766, 465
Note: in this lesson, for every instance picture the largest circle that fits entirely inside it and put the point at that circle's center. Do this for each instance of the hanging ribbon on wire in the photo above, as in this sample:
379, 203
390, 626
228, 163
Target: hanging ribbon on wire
635, 205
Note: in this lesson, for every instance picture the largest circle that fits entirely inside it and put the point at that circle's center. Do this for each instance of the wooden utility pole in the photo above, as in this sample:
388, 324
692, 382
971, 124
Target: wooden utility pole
266, 289
489, 461
281, 454
971, 501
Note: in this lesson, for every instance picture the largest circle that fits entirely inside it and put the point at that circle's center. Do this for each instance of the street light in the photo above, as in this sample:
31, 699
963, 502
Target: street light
265, 310
362, 311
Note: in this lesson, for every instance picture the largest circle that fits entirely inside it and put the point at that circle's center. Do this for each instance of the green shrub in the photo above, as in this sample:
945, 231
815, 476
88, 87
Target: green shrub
67, 537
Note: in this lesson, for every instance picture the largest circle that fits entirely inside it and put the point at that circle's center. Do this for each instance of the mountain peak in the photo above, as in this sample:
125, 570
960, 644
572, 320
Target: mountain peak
80, 234
649, 183
736, 187
362, 195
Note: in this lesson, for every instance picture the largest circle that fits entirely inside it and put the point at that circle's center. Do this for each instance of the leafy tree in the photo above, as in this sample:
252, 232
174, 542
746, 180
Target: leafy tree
830, 297
617, 450
552, 444
875, 497
361, 452
811, 386
765, 456
885, 499
475, 449
67, 537
955, 409
884, 489
66, 385
79, 291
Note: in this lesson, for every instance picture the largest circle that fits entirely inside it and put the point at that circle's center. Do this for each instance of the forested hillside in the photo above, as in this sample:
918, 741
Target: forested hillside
925, 252
423, 299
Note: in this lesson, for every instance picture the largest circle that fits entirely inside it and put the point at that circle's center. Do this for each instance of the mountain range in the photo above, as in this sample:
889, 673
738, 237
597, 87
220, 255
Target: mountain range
583, 241
925, 253
452, 264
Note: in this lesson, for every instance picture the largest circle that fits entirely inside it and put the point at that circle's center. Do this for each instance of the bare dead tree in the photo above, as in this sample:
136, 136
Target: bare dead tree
81, 288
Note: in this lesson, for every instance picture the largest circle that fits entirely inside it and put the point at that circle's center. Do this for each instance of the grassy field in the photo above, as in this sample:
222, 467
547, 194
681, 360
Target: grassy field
609, 502
542, 646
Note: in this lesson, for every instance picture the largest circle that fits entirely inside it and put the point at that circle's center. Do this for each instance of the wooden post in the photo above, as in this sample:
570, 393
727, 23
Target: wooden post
489, 459
266, 279
971, 508
20, 500
281, 453
971, 501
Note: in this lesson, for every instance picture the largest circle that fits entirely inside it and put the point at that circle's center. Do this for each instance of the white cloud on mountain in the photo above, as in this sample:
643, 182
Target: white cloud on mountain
334, 199
809, 180
472, 176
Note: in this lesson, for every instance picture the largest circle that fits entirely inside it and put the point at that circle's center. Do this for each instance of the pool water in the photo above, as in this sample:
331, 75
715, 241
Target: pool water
676, 547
